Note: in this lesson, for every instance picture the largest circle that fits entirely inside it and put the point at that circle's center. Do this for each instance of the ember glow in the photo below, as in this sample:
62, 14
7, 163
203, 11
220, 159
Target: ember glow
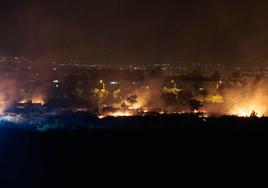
38, 100
118, 113
34, 100
23, 101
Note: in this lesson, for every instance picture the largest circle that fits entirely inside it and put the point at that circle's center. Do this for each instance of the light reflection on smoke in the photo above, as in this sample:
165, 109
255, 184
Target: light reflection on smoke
250, 99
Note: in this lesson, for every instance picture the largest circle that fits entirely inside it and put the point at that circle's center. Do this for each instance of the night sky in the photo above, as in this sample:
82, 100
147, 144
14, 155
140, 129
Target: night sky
137, 32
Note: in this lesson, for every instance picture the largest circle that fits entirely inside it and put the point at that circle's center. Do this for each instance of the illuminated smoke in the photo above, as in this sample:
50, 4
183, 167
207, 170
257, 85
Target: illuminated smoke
38, 97
249, 99
7, 94
253, 97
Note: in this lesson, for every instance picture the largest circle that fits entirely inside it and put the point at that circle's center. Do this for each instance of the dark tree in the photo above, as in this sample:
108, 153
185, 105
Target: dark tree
253, 114
197, 79
132, 99
195, 105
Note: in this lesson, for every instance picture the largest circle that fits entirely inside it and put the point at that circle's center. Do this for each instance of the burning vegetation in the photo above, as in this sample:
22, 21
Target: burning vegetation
137, 94
245, 98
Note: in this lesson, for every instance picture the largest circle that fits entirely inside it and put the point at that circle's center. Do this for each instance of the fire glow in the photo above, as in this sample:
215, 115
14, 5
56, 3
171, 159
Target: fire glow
34, 100
249, 110
116, 114
247, 101
38, 100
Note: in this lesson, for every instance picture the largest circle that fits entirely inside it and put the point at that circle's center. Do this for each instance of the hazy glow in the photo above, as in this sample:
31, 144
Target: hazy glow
247, 109
121, 113
251, 98
34, 100
23, 101
38, 100
115, 114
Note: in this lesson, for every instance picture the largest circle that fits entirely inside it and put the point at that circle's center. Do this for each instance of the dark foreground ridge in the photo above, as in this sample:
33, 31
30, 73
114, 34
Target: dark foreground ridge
86, 122
53, 156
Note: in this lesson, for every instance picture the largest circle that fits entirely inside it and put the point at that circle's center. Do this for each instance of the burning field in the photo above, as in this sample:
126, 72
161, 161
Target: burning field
153, 99
249, 99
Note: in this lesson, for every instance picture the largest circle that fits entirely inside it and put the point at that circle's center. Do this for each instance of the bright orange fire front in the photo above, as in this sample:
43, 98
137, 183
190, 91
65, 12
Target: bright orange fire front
247, 110
116, 114
38, 100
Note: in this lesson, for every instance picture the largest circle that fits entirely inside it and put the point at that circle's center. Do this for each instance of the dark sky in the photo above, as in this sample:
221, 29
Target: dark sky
133, 31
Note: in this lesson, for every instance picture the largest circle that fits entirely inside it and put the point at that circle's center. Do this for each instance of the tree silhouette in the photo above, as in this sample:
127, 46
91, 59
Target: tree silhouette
253, 114
195, 105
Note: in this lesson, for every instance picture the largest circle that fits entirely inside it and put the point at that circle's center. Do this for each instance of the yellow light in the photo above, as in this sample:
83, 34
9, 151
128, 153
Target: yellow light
216, 99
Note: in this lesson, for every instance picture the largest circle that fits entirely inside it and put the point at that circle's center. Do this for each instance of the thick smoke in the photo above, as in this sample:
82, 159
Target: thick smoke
243, 100
251, 97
